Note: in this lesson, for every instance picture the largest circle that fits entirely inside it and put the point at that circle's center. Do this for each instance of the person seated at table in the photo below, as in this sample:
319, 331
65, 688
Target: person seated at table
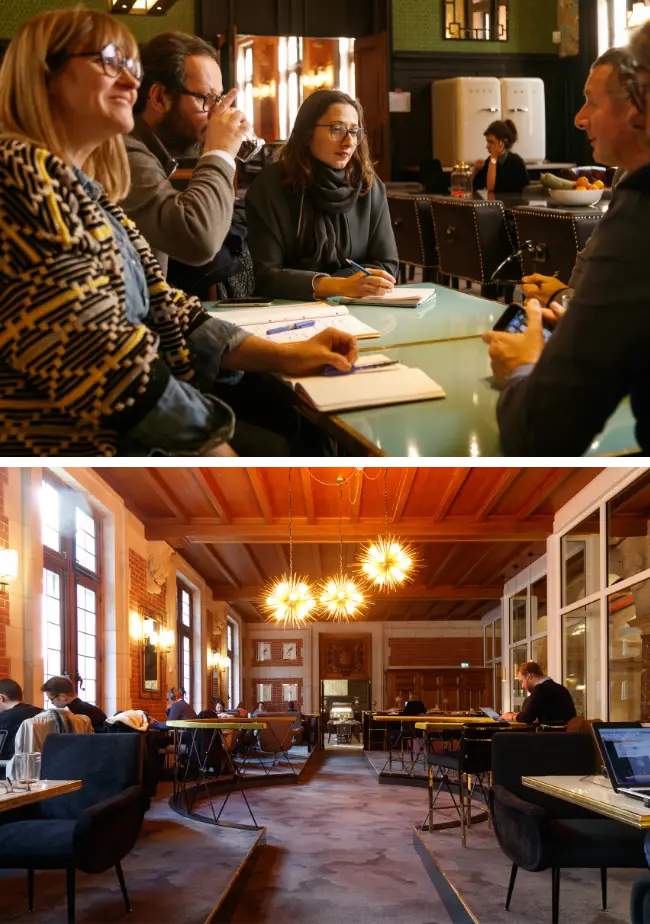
558, 397
503, 171
399, 705
13, 712
259, 707
414, 706
61, 693
242, 710
606, 119
319, 204
547, 701
101, 356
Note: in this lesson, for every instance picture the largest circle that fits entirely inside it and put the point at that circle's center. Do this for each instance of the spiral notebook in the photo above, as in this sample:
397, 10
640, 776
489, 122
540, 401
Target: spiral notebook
288, 321
375, 381
398, 297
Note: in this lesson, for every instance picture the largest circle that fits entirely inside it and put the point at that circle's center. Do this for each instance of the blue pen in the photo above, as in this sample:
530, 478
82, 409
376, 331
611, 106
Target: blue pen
359, 269
332, 370
297, 325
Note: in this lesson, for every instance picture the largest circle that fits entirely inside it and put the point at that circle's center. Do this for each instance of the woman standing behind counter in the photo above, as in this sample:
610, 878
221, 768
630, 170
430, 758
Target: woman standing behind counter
503, 171
319, 204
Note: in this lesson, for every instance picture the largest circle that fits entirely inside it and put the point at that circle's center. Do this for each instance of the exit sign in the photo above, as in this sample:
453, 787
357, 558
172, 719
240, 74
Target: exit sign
464, 663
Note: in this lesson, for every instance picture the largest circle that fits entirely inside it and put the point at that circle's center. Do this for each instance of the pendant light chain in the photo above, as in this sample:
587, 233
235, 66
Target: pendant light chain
341, 528
290, 525
385, 501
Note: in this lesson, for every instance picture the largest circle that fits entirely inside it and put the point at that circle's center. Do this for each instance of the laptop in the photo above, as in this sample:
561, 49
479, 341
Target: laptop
3, 738
490, 713
625, 749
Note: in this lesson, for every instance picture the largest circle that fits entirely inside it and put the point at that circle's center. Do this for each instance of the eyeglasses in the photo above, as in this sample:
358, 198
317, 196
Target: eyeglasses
209, 100
339, 131
113, 61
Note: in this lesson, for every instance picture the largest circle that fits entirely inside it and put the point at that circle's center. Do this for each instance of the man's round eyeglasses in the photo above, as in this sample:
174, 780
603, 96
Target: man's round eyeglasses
112, 61
209, 100
339, 131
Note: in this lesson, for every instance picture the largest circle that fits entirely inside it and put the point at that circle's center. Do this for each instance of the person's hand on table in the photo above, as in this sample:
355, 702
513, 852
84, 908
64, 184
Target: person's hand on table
331, 347
226, 126
359, 285
541, 287
509, 716
508, 351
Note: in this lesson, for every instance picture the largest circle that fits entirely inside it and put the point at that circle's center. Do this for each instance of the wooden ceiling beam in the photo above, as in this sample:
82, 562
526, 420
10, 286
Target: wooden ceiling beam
476, 563
551, 483
164, 493
442, 592
213, 554
505, 480
205, 481
256, 477
458, 479
408, 477
252, 562
308, 494
432, 573
453, 529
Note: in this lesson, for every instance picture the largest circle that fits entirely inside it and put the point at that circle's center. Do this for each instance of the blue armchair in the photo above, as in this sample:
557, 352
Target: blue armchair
91, 829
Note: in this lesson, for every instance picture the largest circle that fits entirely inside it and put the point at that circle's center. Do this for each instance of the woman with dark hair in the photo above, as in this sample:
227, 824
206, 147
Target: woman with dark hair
503, 171
320, 204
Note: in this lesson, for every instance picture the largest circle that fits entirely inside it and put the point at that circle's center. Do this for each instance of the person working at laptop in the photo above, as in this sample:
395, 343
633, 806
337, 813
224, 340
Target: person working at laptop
547, 701
13, 712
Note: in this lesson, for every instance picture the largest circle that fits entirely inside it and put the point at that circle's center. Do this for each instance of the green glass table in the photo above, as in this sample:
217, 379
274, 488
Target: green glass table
462, 424
453, 316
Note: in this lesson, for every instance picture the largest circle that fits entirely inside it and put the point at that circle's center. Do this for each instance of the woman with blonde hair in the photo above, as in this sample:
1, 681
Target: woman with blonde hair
98, 354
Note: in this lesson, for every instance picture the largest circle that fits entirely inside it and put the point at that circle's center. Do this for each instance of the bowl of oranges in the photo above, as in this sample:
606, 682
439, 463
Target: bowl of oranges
582, 192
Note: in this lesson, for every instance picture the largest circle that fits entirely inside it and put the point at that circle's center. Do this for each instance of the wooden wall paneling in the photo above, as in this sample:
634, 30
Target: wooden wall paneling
345, 657
300, 17
431, 652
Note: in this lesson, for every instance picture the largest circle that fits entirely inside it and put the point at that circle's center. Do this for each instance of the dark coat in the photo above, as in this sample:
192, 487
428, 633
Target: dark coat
548, 702
512, 175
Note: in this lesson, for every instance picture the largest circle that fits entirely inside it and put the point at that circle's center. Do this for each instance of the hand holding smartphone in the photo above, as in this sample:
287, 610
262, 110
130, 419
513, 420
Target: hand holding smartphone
514, 321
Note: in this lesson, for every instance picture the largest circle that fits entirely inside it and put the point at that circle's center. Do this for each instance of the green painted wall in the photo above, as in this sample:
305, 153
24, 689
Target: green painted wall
181, 16
417, 26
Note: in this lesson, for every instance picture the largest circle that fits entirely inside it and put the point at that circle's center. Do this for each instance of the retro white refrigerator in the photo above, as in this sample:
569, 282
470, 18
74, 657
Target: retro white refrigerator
462, 108
522, 100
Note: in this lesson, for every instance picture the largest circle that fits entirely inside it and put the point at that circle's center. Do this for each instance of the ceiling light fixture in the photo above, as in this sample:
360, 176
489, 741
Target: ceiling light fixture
340, 598
387, 563
289, 601
139, 7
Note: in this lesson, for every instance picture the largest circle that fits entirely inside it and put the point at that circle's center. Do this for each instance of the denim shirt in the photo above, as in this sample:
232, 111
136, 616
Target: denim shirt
184, 420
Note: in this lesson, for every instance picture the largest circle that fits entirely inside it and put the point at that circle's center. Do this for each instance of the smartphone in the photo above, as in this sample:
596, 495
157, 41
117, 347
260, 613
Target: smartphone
514, 321
242, 302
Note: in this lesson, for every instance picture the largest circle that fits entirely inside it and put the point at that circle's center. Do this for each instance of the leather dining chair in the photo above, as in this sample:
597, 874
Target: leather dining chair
414, 235
473, 241
556, 238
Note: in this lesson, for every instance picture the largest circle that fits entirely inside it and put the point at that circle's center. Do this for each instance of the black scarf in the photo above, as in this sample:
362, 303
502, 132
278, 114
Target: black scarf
324, 238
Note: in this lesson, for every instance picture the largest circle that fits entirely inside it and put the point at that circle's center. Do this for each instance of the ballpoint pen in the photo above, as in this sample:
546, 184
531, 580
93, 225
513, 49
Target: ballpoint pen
331, 370
359, 269
296, 325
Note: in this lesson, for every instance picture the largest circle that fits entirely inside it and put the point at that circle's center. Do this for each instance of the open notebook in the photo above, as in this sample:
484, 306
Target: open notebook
398, 297
260, 321
385, 382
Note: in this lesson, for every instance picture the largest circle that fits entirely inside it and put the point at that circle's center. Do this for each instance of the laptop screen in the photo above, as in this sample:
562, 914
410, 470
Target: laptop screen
490, 712
627, 754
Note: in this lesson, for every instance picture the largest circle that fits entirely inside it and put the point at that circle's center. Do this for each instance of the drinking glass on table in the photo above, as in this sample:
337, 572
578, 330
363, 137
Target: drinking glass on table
26, 769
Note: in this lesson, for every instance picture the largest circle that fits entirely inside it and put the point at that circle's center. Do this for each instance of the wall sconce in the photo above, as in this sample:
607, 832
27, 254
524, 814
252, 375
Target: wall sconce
166, 640
638, 15
8, 568
214, 660
322, 77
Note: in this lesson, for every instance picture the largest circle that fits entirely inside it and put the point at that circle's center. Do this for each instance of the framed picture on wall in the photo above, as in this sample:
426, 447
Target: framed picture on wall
289, 692
263, 651
264, 693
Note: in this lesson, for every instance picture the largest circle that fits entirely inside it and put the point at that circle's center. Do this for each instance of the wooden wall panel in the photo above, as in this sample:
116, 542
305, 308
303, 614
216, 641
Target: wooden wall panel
435, 652
345, 657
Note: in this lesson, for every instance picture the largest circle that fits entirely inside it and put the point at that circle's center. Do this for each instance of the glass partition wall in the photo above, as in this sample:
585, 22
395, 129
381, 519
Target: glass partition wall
527, 629
605, 603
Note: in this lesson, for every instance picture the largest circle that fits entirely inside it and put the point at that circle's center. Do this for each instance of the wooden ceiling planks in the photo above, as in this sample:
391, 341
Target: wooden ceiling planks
470, 526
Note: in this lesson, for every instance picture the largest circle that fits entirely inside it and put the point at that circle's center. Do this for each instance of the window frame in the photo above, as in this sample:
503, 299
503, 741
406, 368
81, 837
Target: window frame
72, 575
184, 632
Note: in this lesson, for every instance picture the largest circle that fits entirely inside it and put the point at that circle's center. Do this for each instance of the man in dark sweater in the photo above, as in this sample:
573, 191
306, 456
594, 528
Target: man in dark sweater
61, 692
547, 701
13, 712
414, 706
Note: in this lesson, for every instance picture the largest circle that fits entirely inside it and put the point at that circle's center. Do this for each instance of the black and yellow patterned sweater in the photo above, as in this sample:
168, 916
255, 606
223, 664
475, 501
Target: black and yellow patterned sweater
75, 373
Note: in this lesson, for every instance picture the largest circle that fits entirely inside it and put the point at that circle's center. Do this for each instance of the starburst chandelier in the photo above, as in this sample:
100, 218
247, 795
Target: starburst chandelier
289, 600
387, 563
340, 598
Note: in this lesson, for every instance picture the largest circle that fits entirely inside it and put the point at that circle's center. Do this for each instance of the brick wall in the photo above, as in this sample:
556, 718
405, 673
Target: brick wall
435, 652
153, 703
5, 660
276, 703
276, 653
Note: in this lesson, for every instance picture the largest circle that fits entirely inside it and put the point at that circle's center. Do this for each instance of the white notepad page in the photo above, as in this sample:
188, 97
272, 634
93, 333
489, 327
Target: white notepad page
259, 320
399, 296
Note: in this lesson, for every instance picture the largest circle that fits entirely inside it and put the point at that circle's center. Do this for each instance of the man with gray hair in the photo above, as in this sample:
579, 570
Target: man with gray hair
605, 117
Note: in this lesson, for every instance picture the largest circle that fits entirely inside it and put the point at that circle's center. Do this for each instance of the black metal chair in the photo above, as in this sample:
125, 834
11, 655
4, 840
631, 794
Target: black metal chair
538, 832
473, 242
90, 829
640, 900
344, 733
556, 238
472, 759
414, 235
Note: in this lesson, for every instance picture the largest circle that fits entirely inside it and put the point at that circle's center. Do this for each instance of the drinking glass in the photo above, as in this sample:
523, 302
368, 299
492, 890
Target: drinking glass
250, 146
26, 769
